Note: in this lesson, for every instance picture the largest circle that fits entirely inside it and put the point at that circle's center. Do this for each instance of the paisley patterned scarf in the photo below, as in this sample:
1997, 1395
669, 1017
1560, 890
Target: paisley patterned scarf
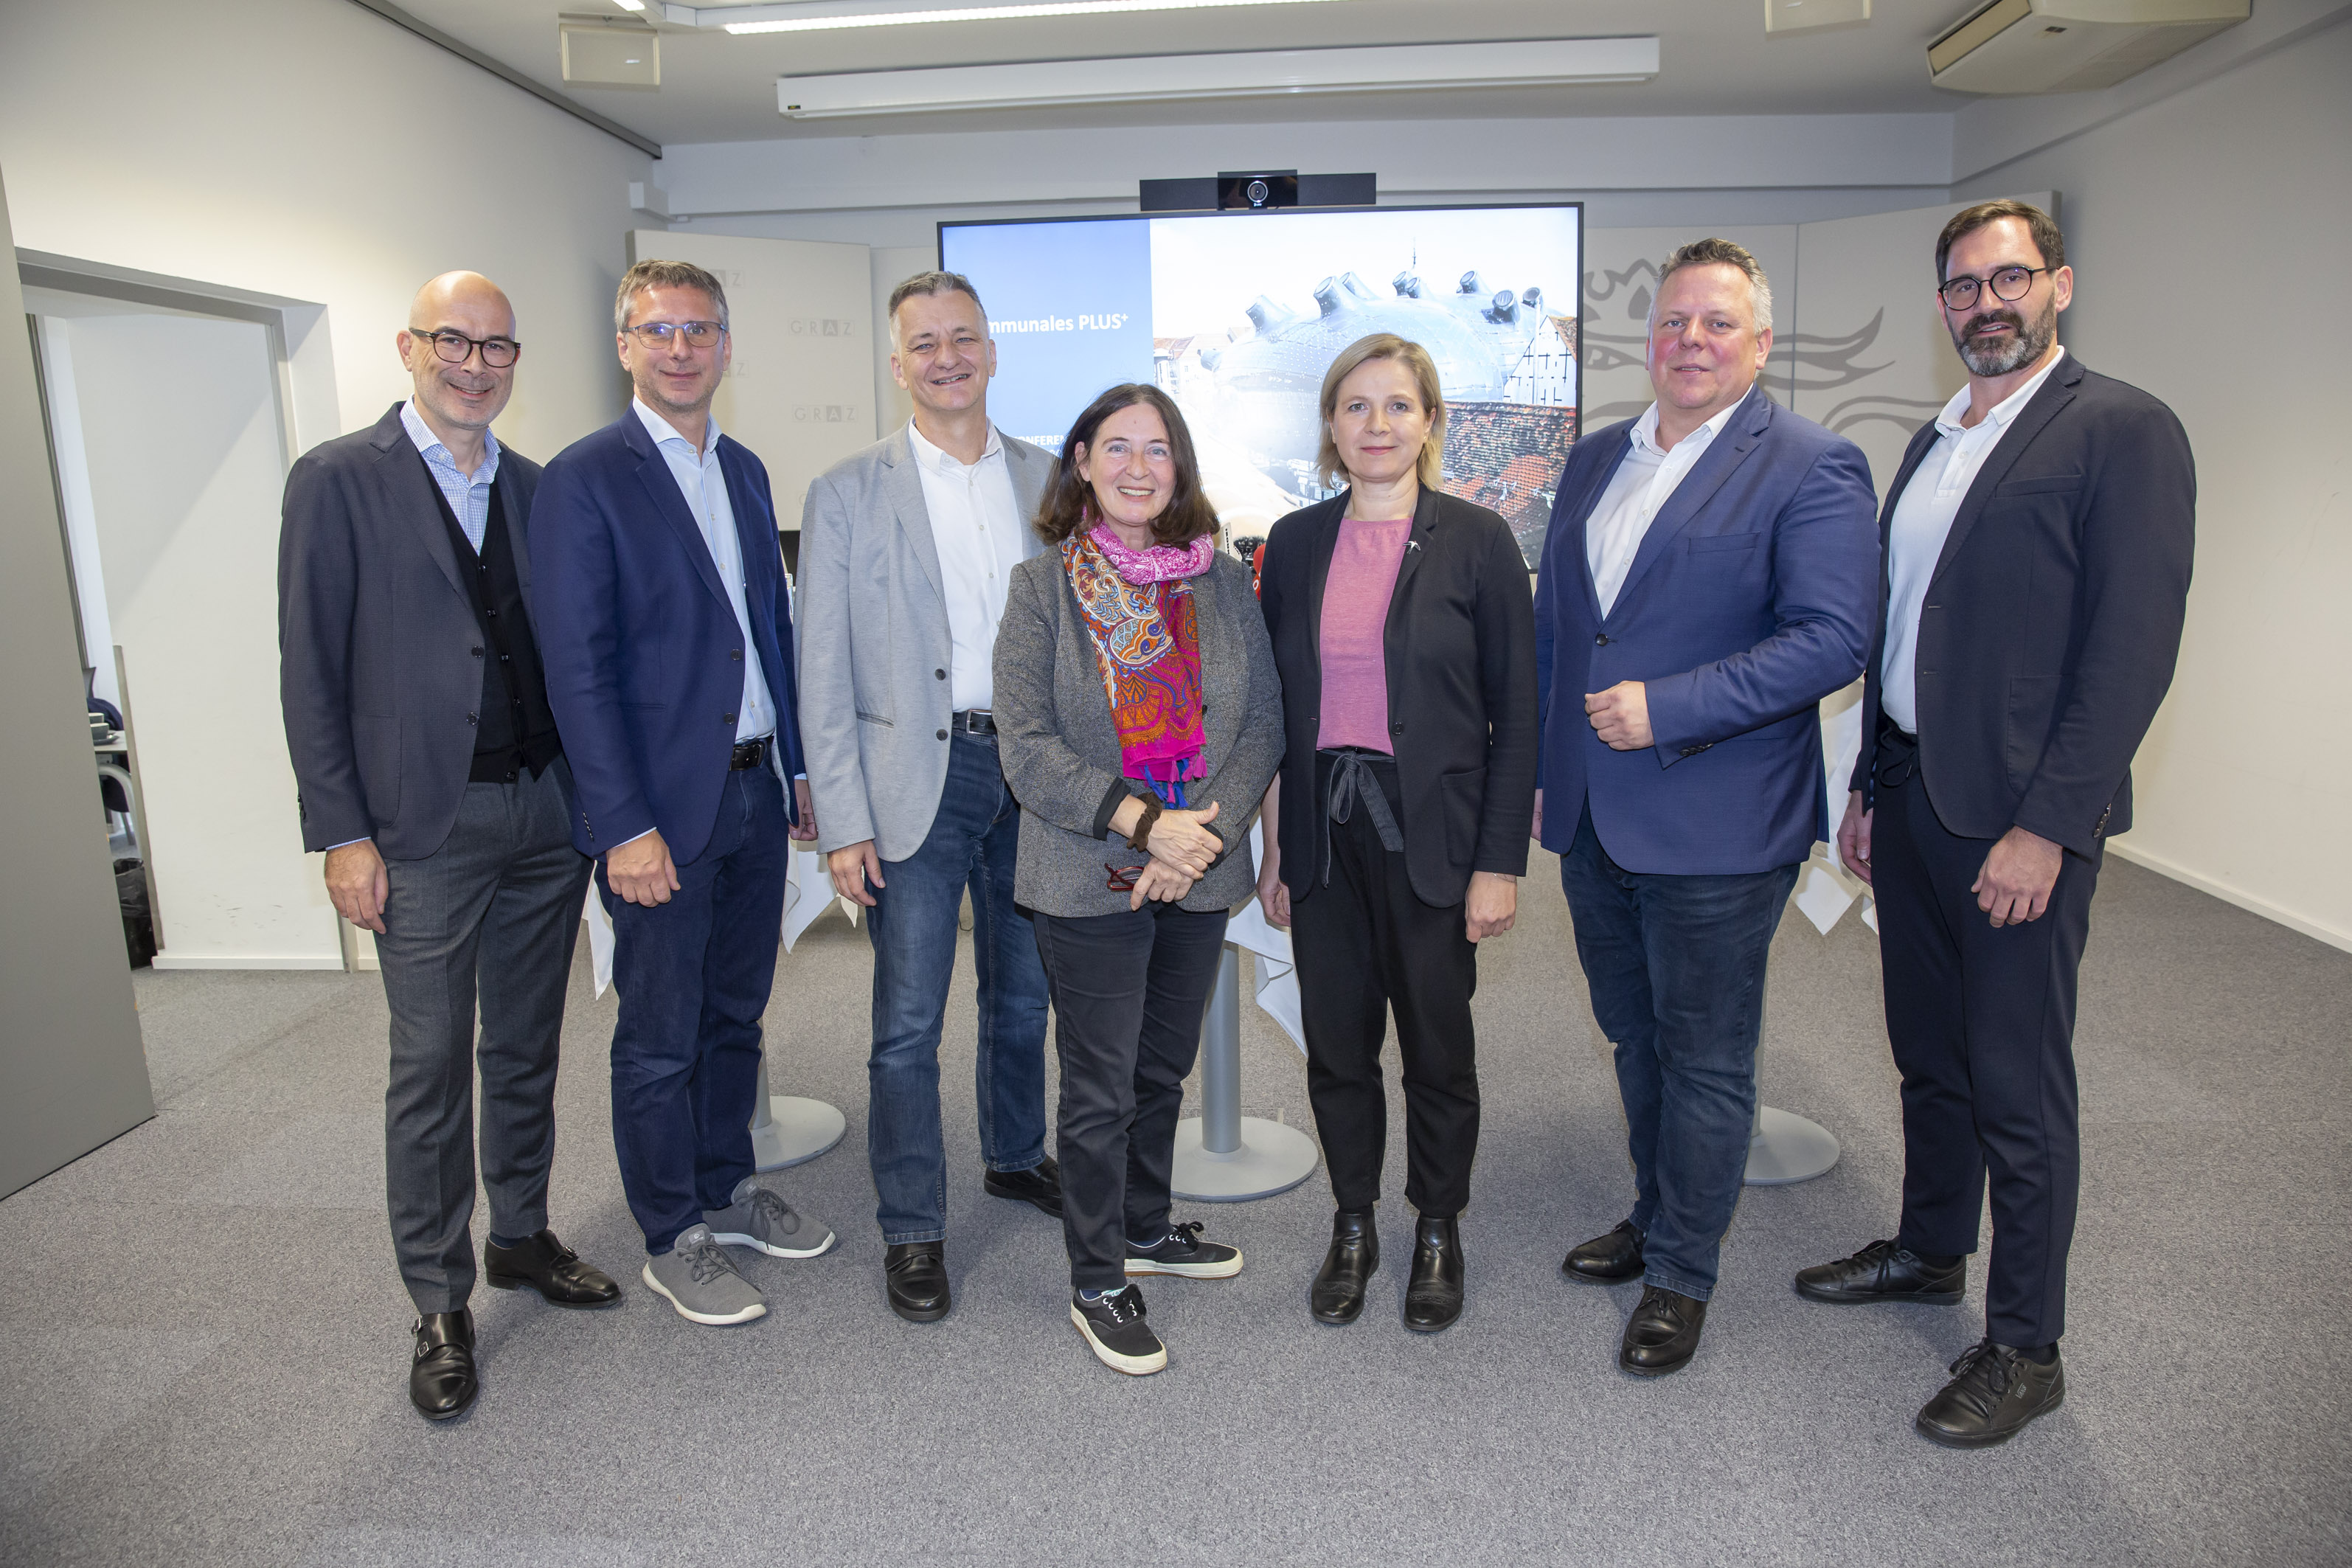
1139, 613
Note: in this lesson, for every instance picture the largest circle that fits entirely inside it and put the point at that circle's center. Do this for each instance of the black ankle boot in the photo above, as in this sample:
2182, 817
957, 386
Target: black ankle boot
1339, 1293
1432, 1293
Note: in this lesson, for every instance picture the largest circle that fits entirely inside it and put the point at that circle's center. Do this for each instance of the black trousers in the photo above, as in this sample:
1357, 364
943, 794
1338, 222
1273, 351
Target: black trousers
1982, 1025
1128, 993
1366, 944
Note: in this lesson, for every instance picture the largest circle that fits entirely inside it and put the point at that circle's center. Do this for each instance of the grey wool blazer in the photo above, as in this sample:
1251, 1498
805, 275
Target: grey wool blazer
1060, 749
871, 643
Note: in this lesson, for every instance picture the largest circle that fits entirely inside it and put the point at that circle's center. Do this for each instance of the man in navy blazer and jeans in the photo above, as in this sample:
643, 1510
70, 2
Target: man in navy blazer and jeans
668, 645
1710, 575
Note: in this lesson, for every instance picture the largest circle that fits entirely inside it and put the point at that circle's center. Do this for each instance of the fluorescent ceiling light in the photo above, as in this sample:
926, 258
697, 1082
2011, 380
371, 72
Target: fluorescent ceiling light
826, 16
1268, 73
630, 4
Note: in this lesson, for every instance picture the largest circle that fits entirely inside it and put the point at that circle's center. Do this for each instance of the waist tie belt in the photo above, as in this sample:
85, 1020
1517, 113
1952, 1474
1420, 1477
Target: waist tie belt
1899, 755
1353, 780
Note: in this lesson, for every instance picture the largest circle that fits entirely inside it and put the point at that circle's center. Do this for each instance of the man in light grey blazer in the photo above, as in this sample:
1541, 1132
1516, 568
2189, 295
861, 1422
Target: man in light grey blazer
907, 549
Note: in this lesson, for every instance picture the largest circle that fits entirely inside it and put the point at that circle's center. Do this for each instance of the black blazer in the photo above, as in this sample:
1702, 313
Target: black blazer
380, 653
1461, 643
2049, 631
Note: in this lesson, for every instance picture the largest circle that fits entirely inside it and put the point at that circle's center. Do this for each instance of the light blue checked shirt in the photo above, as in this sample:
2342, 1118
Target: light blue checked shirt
468, 499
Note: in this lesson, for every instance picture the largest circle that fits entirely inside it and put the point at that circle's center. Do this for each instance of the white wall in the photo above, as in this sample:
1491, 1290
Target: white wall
180, 433
2207, 232
290, 146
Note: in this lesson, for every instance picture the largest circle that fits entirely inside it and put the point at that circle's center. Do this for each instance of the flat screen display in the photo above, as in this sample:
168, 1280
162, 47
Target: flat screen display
1237, 316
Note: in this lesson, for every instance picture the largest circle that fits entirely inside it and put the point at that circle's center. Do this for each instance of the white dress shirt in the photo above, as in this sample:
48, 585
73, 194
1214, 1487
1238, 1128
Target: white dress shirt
469, 498
1923, 516
700, 480
976, 525
1645, 480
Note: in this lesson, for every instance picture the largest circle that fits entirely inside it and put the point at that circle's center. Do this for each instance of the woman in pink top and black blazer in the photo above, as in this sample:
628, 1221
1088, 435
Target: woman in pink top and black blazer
1404, 632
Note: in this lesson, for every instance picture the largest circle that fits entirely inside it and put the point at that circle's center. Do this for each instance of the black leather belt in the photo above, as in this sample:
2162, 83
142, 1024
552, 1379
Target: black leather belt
751, 754
973, 722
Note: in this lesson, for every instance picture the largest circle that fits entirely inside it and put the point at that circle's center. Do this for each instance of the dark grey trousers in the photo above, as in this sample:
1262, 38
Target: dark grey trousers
492, 914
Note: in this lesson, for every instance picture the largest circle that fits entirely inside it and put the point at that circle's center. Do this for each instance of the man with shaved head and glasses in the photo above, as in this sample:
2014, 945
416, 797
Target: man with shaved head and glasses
432, 776
2038, 540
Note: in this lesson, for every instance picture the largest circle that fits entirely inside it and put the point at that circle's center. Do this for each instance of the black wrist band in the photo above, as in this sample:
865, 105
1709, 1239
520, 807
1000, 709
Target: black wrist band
1141, 839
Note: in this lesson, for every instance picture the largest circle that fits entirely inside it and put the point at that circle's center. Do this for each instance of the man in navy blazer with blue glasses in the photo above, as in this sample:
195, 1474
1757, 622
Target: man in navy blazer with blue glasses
666, 634
1711, 573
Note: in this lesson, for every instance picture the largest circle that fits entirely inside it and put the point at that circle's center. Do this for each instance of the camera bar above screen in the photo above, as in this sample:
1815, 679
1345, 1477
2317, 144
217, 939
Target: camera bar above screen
1237, 315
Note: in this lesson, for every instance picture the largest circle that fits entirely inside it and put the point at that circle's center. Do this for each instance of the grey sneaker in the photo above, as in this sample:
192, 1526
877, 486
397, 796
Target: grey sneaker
698, 1278
758, 1217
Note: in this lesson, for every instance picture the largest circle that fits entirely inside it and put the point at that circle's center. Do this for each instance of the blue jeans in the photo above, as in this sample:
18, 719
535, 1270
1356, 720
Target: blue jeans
913, 928
694, 975
1675, 965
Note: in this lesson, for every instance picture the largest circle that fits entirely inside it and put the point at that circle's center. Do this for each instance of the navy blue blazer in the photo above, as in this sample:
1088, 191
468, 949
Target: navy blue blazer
1751, 598
643, 654
2054, 617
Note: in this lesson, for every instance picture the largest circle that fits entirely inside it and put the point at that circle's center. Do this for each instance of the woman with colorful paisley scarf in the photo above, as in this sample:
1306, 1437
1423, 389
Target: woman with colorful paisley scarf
1139, 720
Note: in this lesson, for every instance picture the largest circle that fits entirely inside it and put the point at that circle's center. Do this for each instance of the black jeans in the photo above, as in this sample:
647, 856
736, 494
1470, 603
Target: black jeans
1128, 993
1365, 943
1982, 1026
1675, 967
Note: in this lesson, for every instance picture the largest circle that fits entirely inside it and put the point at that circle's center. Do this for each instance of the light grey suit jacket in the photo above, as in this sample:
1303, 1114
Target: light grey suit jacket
871, 643
1061, 747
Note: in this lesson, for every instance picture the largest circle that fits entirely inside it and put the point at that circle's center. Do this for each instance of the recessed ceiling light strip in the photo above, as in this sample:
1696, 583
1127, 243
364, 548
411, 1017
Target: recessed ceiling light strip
797, 19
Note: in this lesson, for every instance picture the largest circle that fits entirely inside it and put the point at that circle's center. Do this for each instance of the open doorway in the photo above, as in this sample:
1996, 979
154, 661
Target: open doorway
172, 414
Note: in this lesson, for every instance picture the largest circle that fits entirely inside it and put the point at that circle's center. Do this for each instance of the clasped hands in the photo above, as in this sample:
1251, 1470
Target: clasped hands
2012, 886
1181, 846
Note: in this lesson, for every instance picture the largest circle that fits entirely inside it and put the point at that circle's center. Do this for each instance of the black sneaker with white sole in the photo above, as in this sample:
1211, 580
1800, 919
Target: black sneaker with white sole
1115, 1330
1182, 1252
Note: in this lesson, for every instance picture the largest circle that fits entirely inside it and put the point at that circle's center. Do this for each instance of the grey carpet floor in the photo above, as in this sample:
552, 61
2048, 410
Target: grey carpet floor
207, 1348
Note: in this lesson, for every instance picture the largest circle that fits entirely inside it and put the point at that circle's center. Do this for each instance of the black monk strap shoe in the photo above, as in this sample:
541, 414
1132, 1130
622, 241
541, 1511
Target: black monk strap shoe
915, 1276
441, 1378
1663, 1332
1433, 1290
1041, 1185
1609, 1259
1885, 1272
550, 1268
1994, 1392
1338, 1296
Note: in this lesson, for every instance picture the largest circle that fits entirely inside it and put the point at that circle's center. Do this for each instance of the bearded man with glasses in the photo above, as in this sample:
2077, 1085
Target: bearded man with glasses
2039, 536
670, 661
432, 776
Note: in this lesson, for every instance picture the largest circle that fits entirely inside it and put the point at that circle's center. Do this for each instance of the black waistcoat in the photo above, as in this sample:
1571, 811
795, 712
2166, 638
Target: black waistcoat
515, 727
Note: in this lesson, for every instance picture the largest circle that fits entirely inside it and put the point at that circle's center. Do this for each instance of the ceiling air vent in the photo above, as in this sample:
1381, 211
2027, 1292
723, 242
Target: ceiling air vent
2070, 45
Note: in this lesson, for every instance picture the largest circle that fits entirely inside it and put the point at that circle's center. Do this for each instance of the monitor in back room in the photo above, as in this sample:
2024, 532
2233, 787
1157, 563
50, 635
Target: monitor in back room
1238, 315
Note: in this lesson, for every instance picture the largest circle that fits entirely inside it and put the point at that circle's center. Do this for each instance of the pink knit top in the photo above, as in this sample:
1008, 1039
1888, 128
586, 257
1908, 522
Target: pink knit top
1356, 597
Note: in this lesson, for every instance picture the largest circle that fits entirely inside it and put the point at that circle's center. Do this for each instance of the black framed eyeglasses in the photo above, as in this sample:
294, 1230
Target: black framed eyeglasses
457, 348
699, 334
2009, 285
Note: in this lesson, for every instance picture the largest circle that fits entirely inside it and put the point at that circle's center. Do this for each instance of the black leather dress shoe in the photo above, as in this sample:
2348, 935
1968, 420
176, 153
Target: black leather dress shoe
1994, 1392
915, 1274
1663, 1332
1609, 1259
441, 1379
1885, 1272
550, 1268
1041, 1185
1338, 1296
1432, 1291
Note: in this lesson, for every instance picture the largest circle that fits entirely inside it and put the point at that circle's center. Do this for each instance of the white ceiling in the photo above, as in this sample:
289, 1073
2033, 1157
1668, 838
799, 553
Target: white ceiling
1715, 57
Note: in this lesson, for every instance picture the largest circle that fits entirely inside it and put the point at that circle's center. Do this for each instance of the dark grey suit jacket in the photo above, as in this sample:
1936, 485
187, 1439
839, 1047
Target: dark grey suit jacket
379, 654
